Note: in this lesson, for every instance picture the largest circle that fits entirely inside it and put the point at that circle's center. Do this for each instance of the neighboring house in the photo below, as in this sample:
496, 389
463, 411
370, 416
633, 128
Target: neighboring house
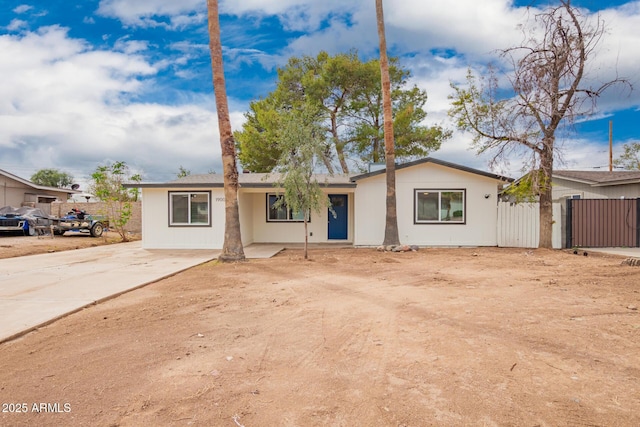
17, 192
438, 204
599, 208
591, 209
595, 184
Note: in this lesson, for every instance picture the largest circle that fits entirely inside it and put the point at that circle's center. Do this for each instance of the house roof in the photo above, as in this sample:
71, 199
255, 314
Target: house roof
267, 180
246, 180
437, 162
36, 186
599, 178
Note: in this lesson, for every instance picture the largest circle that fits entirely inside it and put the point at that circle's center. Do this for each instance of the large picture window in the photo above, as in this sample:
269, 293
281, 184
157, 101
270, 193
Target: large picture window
439, 206
282, 213
190, 208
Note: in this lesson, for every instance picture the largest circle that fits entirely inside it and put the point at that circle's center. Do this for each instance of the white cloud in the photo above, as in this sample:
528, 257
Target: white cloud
443, 41
237, 57
64, 104
130, 46
616, 57
295, 15
150, 13
470, 27
581, 153
16, 25
23, 8
68, 105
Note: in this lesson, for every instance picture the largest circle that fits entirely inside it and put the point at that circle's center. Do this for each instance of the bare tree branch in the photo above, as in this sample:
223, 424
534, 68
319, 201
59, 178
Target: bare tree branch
546, 75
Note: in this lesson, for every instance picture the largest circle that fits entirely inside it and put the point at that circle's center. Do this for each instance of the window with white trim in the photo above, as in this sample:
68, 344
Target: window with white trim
434, 206
190, 208
282, 213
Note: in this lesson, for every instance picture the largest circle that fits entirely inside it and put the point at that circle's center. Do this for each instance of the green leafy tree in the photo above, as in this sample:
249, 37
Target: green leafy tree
365, 130
182, 172
302, 147
346, 95
525, 189
547, 90
52, 178
258, 148
630, 159
107, 185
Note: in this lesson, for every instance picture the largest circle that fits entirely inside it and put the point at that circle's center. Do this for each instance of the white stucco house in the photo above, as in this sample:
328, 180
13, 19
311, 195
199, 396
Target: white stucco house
438, 204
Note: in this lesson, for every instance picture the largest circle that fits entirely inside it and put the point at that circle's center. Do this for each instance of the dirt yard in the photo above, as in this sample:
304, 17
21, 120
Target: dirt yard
354, 337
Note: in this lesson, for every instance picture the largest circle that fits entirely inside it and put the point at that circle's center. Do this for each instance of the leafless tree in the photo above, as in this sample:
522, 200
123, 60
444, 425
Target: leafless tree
547, 80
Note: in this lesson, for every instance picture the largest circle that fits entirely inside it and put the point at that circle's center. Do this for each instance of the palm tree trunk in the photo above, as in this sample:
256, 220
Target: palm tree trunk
391, 223
232, 249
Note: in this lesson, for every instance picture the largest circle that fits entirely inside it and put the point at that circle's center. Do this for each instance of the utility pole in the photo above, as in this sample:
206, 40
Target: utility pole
610, 145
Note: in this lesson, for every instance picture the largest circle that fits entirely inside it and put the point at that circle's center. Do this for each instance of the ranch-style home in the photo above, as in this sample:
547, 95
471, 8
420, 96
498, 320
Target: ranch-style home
595, 184
17, 192
599, 208
438, 204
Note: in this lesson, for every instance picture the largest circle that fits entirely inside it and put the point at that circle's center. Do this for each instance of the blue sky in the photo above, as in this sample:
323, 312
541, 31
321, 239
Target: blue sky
86, 82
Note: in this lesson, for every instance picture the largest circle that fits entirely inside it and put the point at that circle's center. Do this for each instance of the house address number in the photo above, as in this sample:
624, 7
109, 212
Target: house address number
219, 199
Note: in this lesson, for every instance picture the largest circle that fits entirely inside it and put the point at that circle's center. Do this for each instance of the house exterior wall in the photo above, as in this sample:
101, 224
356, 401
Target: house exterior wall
293, 232
480, 228
565, 189
245, 208
16, 194
254, 227
157, 234
11, 192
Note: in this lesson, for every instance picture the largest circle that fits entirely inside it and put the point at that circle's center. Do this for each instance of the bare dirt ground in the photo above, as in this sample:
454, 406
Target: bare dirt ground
15, 246
355, 337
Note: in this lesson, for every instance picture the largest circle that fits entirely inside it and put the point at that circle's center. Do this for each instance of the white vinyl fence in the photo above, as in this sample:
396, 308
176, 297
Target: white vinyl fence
519, 225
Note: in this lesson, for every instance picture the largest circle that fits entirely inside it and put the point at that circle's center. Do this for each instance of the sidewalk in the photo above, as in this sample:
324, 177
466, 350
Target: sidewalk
628, 252
38, 289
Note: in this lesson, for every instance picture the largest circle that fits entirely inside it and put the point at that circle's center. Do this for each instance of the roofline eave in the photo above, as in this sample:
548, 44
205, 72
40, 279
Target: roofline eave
220, 185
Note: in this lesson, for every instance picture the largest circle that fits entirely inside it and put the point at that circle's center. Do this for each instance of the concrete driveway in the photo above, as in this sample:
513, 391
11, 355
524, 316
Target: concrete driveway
38, 289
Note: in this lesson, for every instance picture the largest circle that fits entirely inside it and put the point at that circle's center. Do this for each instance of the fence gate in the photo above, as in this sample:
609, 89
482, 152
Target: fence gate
519, 225
603, 223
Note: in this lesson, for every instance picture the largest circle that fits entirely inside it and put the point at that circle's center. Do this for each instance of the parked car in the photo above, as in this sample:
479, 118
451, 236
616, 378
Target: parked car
22, 220
29, 221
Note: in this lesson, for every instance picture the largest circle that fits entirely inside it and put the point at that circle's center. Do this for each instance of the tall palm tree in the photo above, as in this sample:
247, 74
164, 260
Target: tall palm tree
391, 224
232, 249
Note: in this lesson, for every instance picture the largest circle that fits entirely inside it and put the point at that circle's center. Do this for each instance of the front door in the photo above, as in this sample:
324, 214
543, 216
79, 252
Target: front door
338, 224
